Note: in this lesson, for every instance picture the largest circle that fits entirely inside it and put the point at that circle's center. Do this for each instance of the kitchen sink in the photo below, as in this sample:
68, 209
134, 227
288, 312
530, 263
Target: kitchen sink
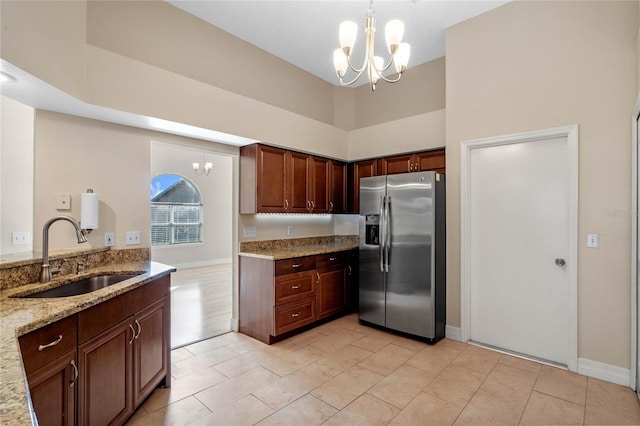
83, 286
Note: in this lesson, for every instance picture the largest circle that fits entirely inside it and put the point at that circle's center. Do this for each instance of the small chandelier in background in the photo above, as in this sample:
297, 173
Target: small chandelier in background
205, 171
374, 65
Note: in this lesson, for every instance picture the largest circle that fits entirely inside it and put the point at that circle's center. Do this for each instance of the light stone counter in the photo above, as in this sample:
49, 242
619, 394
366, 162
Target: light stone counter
19, 316
298, 247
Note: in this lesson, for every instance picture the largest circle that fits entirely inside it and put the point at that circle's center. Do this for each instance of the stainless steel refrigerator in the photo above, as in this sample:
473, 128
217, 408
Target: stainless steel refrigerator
402, 280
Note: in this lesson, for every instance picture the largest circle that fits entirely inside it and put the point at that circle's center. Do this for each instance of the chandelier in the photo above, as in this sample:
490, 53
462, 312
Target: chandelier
373, 65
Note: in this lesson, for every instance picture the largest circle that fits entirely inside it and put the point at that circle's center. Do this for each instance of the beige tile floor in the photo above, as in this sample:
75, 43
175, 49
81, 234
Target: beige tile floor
343, 373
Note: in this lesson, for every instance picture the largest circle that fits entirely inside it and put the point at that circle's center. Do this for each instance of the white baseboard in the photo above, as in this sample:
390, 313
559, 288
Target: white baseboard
452, 333
606, 372
201, 263
234, 324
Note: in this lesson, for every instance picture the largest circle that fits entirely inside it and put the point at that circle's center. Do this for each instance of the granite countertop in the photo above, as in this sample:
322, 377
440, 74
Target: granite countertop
287, 249
19, 316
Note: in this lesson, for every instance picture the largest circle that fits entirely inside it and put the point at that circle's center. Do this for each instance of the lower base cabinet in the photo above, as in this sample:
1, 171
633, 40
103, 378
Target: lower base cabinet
282, 296
96, 367
53, 391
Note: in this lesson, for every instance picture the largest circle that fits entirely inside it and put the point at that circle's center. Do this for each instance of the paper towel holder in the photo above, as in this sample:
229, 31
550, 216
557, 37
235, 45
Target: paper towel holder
89, 214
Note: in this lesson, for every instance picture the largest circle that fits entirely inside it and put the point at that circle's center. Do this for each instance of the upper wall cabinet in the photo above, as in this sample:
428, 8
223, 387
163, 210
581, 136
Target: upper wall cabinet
417, 162
357, 170
274, 180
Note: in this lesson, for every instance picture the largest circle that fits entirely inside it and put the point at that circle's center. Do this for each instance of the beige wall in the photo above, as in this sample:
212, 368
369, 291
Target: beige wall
216, 191
16, 174
506, 75
47, 38
275, 226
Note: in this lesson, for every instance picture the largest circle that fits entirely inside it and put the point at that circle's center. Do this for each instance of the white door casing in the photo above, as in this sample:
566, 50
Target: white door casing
519, 204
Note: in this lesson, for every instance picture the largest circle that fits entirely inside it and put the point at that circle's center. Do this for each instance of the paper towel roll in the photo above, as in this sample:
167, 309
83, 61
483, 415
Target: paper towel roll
89, 210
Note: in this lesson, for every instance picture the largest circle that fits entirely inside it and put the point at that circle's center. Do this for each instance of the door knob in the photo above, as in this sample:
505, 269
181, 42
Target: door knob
560, 261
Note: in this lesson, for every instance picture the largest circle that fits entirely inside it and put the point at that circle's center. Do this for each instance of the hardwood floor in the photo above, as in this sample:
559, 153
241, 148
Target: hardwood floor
200, 303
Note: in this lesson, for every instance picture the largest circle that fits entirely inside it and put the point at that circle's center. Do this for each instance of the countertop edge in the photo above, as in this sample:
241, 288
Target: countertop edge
290, 253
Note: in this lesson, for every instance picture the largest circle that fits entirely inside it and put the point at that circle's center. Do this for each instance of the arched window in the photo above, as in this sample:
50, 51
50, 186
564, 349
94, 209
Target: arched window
176, 211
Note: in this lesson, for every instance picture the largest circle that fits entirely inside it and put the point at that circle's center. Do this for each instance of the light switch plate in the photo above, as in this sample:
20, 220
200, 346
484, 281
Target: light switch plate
20, 238
592, 240
132, 238
63, 201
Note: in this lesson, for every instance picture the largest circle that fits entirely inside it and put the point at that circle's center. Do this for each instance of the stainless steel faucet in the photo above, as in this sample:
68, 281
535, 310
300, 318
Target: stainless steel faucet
45, 269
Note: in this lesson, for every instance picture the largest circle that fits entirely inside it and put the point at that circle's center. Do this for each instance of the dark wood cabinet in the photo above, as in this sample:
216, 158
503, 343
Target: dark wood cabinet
123, 353
353, 260
274, 180
337, 187
358, 170
53, 391
262, 179
106, 368
319, 184
49, 358
415, 162
278, 297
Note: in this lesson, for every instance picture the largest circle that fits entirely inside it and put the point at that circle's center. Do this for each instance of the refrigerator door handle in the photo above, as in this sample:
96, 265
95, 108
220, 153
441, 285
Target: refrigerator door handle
387, 230
381, 233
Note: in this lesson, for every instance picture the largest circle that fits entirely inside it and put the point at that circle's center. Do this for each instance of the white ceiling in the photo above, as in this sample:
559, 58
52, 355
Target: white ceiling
305, 32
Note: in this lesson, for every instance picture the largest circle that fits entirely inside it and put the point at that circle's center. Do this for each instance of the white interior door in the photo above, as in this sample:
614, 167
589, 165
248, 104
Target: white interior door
520, 248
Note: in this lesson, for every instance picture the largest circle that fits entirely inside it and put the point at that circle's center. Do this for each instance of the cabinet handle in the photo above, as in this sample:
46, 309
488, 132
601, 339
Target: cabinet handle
295, 265
75, 373
330, 206
286, 204
295, 287
317, 277
332, 258
139, 329
350, 269
295, 314
48, 345
313, 204
133, 334
410, 167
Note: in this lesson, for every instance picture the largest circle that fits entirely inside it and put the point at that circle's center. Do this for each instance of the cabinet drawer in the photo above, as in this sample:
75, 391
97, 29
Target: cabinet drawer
48, 343
295, 314
294, 286
297, 264
331, 259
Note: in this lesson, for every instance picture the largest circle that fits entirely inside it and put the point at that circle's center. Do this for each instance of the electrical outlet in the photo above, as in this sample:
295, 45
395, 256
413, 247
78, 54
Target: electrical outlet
132, 238
109, 239
63, 201
289, 230
20, 238
249, 231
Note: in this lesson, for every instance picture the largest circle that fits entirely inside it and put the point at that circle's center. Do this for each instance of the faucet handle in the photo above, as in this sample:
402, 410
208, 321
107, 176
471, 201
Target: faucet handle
81, 267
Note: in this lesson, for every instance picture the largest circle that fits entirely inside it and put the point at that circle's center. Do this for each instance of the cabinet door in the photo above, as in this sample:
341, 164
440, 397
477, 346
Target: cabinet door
352, 280
330, 291
319, 185
365, 168
150, 349
297, 175
105, 386
271, 190
53, 391
337, 187
430, 160
397, 164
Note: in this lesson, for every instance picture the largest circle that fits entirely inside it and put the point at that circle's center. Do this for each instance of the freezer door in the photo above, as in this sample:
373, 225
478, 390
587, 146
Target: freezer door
410, 297
371, 278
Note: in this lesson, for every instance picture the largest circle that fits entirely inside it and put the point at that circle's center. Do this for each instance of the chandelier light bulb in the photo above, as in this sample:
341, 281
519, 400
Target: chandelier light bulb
340, 62
208, 167
394, 31
196, 166
348, 34
401, 57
